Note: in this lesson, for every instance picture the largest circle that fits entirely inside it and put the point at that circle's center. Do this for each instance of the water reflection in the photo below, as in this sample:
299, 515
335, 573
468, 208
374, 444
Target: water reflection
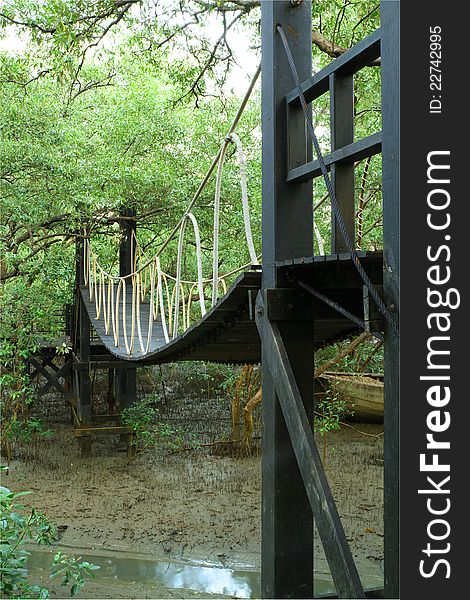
211, 580
207, 579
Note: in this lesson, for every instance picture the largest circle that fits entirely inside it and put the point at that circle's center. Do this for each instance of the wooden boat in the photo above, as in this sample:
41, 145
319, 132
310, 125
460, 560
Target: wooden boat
363, 394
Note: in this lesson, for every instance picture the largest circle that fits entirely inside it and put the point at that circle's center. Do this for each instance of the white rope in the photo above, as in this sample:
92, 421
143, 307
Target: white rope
139, 324
160, 297
151, 300
215, 256
200, 286
133, 312
176, 289
98, 295
113, 316
246, 209
178, 282
121, 285
321, 249
124, 315
106, 306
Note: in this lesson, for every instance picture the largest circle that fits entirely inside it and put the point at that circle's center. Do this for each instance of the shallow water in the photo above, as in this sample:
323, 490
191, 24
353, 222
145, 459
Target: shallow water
205, 578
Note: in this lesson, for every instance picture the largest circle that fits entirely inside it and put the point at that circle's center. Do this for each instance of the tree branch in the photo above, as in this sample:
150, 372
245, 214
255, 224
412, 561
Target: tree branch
332, 49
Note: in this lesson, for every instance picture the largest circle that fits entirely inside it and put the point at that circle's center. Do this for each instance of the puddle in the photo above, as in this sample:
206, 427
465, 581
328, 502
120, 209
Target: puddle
211, 579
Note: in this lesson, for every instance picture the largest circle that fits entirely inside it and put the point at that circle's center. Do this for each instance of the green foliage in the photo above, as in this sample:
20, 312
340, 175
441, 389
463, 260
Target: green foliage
72, 570
95, 115
203, 379
127, 144
16, 425
329, 412
143, 417
21, 525
25, 430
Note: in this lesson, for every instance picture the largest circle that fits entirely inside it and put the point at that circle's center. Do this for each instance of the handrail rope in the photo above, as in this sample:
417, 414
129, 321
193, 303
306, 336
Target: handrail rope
160, 298
190, 301
111, 307
152, 294
197, 236
178, 276
134, 310
118, 293
124, 317
215, 251
316, 230
224, 275
255, 262
139, 324
246, 209
113, 316
334, 202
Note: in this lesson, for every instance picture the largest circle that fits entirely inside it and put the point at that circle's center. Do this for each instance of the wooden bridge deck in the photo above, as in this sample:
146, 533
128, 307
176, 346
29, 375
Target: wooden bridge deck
228, 333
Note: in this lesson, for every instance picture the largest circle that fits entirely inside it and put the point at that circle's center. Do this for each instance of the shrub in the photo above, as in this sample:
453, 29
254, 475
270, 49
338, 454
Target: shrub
20, 525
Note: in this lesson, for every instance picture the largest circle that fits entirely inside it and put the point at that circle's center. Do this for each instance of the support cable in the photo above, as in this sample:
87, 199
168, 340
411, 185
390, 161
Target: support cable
334, 202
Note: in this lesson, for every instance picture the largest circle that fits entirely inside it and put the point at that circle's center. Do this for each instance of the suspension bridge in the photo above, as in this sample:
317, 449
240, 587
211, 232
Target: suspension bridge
280, 306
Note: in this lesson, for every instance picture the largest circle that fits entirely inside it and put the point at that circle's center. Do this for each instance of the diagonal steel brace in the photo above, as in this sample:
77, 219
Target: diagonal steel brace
335, 545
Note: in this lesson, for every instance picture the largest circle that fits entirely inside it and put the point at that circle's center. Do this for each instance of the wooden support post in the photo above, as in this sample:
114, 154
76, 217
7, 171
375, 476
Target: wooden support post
126, 379
338, 554
110, 395
127, 246
390, 51
287, 522
83, 348
126, 382
84, 388
342, 175
85, 446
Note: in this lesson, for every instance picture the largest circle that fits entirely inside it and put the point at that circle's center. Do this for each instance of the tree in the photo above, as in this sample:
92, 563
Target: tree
71, 31
118, 103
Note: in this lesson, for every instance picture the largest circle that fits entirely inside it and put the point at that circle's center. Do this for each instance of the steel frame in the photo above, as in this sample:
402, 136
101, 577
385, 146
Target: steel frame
294, 484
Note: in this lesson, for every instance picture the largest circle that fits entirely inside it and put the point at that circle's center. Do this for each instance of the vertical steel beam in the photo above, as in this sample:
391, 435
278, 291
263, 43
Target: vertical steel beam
287, 522
342, 175
390, 17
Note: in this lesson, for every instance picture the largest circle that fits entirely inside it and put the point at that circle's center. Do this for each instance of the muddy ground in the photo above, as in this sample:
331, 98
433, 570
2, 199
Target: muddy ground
191, 505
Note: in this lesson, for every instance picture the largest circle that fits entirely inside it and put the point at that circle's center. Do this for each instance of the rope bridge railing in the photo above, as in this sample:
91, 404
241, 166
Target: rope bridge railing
168, 299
